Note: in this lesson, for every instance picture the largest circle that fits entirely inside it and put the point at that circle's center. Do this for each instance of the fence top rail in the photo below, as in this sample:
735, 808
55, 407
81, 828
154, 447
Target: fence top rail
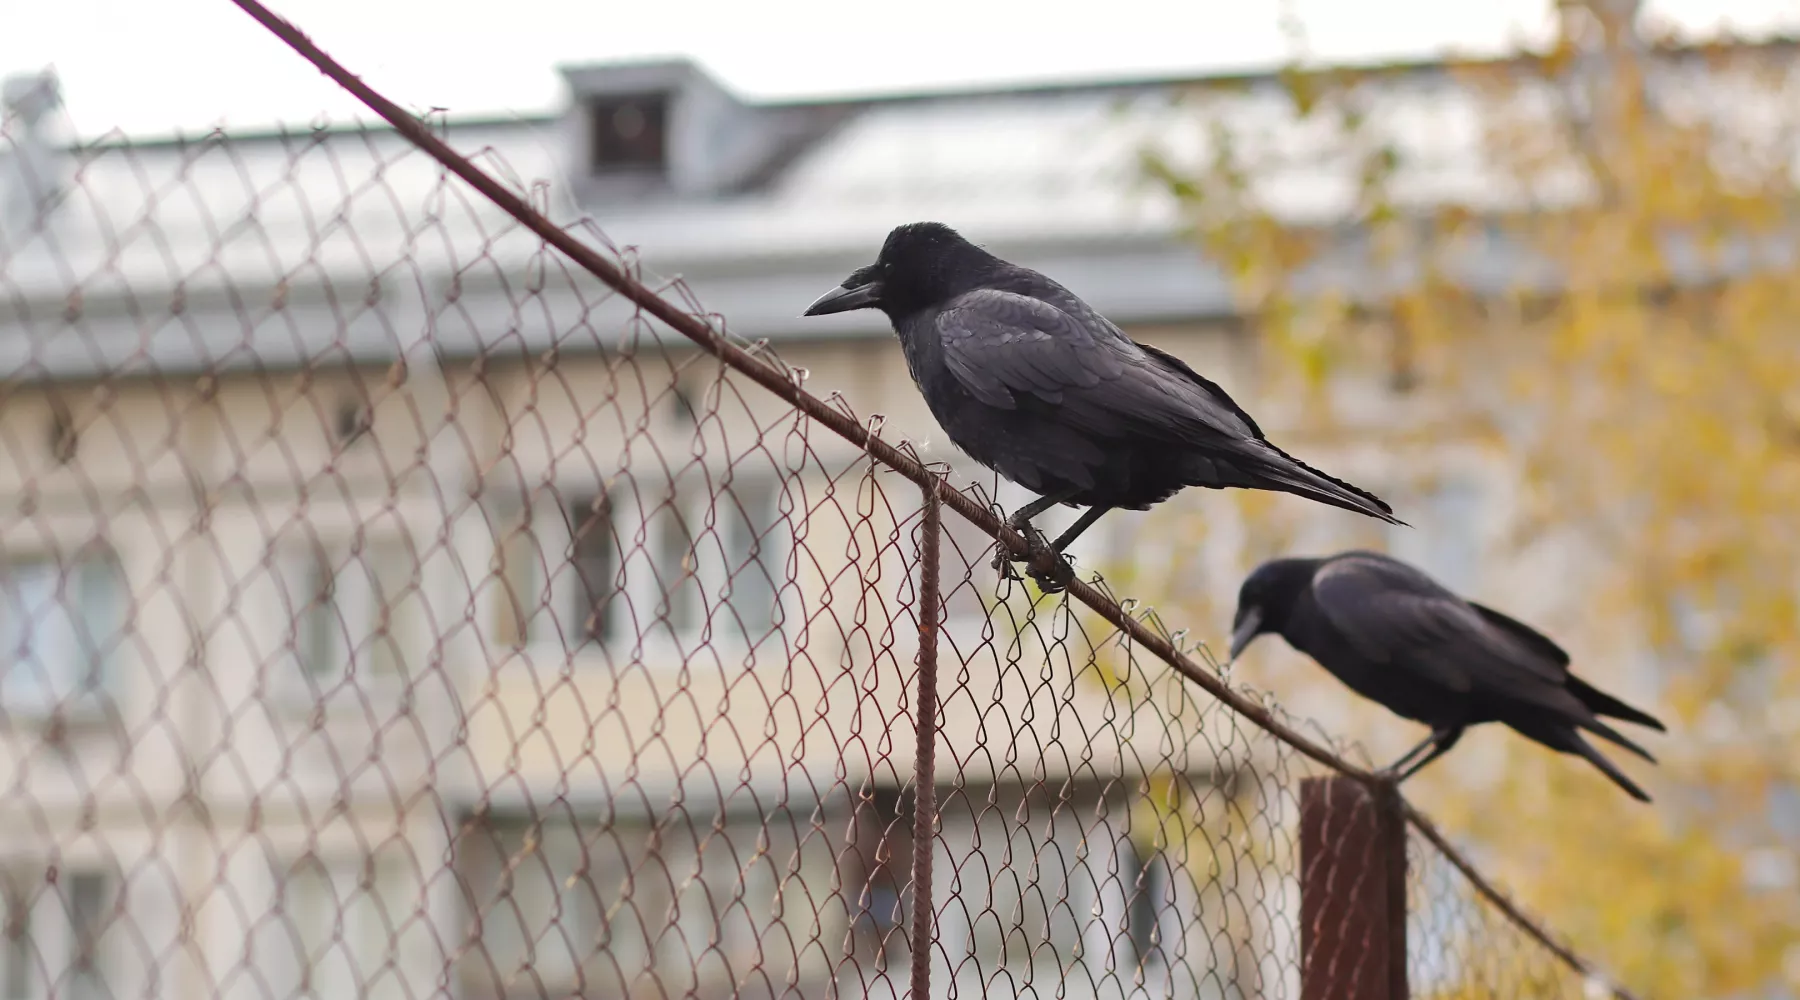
1141, 629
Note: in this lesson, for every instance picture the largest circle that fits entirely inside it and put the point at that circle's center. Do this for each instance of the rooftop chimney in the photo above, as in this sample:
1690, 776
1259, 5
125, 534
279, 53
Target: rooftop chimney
644, 128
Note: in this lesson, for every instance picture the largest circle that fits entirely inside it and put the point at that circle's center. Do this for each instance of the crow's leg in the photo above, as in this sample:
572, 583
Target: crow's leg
1055, 584
1020, 521
1424, 745
1082, 523
1021, 518
1440, 741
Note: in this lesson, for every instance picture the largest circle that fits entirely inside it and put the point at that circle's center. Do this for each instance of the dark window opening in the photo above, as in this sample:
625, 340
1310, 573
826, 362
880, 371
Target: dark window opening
353, 420
594, 554
891, 805
1145, 879
681, 408
64, 439
628, 132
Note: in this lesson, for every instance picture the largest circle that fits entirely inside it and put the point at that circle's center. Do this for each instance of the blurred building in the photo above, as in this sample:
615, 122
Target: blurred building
373, 609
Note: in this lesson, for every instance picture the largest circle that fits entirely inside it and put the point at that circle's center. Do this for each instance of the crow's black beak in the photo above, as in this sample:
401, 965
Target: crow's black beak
1249, 625
845, 299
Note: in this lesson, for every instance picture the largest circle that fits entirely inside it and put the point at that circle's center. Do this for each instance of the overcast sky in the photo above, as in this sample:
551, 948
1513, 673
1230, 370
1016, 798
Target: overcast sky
154, 66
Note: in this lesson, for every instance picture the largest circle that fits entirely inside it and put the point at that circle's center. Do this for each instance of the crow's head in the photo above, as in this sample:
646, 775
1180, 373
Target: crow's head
921, 265
1266, 598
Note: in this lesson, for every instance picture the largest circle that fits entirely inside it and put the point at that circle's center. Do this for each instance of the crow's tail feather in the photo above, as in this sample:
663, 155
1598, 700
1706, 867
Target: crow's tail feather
1287, 474
1607, 732
1601, 703
1582, 747
1561, 734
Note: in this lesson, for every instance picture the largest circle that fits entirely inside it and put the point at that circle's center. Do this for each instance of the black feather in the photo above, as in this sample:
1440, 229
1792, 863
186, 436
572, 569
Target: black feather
1399, 638
1030, 381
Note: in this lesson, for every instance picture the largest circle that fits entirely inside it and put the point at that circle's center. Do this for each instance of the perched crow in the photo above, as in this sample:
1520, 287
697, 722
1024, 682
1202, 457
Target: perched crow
1395, 636
1034, 384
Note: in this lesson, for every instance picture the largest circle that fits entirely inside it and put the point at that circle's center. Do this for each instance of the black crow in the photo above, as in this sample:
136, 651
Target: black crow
1395, 636
1031, 382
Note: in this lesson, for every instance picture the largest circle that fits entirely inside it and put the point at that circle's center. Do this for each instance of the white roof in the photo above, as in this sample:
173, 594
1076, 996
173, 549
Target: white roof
1050, 178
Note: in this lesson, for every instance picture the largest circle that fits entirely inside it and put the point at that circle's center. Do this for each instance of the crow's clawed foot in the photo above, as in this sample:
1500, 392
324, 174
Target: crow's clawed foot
1393, 775
1004, 558
1054, 582
1057, 580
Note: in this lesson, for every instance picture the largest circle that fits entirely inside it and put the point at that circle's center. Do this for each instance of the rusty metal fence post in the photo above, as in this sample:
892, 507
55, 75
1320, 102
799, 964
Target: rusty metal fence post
1352, 891
925, 765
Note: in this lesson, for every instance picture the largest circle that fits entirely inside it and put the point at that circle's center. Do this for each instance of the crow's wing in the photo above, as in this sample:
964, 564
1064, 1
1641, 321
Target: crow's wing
1390, 612
1004, 346
1037, 346
1545, 646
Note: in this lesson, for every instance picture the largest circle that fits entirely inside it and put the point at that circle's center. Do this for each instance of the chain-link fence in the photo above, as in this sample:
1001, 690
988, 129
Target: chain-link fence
401, 599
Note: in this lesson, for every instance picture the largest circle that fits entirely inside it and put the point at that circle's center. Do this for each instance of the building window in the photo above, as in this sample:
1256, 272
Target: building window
518, 564
675, 564
349, 927
703, 558
57, 936
1144, 877
628, 133
61, 621
21, 953
572, 906
715, 561
560, 565
753, 558
353, 611
1029, 918
683, 414
90, 897
594, 562
64, 439
352, 420
309, 908
537, 909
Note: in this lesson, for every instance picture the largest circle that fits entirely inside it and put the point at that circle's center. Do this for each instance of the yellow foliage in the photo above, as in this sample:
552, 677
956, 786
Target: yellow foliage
1640, 369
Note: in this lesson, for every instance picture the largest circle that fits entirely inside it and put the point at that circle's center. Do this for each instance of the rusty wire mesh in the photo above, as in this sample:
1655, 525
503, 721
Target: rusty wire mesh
1461, 945
396, 609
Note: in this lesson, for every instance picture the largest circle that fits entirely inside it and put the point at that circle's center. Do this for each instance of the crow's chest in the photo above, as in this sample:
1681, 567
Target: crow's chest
972, 425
